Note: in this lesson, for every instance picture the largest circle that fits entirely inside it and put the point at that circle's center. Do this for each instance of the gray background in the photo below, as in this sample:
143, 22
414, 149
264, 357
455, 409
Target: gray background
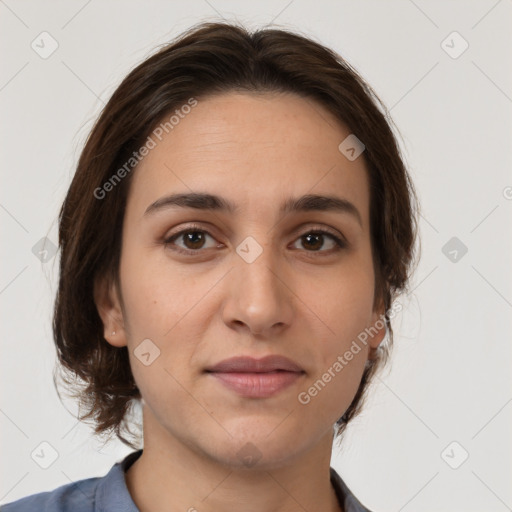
450, 377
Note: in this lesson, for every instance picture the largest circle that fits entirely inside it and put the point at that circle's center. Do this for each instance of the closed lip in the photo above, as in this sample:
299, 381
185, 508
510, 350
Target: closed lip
247, 364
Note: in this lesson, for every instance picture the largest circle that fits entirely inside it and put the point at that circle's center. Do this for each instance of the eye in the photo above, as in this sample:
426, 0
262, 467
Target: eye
193, 238
313, 241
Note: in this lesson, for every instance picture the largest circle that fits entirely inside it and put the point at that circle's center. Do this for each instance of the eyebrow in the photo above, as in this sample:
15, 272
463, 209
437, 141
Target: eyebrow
204, 201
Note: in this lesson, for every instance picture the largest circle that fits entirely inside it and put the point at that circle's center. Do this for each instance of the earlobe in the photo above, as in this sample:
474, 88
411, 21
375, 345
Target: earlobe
378, 330
109, 309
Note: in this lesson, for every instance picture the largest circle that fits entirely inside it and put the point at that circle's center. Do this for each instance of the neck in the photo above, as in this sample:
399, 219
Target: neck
171, 476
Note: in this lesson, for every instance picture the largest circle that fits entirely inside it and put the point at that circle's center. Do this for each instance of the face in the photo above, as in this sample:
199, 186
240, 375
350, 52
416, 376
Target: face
201, 285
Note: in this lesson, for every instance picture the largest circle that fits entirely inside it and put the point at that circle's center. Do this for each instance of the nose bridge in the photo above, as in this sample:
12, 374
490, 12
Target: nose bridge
259, 297
257, 268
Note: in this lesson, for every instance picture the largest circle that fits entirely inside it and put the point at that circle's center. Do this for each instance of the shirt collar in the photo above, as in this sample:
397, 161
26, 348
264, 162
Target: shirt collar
112, 494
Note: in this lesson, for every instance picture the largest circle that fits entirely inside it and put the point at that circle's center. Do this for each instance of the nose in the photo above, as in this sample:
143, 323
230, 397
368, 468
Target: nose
259, 297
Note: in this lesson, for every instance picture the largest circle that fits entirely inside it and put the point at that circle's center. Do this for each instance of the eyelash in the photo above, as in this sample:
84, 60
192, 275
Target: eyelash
340, 244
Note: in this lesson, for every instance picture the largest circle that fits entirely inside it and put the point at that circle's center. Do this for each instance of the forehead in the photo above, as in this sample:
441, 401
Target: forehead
255, 149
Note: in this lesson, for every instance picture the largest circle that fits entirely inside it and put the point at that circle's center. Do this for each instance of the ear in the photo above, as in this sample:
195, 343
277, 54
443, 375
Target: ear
109, 308
378, 330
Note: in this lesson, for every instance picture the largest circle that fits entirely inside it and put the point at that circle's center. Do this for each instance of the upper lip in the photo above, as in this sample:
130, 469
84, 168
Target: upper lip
245, 364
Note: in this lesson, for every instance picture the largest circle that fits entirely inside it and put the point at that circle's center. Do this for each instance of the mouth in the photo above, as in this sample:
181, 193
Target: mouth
256, 378
257, 385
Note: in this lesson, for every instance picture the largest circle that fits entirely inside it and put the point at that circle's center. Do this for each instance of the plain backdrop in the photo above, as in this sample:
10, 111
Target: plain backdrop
435, 434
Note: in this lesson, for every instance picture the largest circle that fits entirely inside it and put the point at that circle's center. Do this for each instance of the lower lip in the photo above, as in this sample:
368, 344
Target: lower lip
257, 385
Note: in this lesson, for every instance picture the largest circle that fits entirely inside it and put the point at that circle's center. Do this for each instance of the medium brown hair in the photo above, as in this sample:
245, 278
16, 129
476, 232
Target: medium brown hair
209, 59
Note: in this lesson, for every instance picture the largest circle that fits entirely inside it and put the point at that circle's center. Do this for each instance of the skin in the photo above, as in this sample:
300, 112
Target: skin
256, 150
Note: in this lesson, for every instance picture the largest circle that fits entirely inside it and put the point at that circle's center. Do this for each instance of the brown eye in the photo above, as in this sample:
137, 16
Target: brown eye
313, 241
191, 240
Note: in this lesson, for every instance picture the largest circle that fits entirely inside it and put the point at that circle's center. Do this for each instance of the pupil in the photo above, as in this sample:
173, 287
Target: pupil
194, 235
318, 237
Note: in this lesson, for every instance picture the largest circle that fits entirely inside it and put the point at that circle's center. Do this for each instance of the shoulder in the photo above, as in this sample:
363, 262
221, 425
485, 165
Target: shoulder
104, 493
345, 496
77, 497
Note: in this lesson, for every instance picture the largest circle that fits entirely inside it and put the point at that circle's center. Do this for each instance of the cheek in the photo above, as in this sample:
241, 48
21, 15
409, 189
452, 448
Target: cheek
156, 294
344, 305
344, 302
341, 357
156, 307
168, 308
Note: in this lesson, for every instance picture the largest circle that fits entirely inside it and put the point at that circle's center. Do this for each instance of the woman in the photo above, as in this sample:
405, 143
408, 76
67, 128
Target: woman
238, 227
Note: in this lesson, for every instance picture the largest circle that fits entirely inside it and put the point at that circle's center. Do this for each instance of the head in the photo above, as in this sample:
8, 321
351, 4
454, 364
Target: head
270, 265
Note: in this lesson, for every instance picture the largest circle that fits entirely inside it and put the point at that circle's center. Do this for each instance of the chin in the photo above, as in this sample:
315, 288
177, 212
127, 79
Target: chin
261, 448
248, 456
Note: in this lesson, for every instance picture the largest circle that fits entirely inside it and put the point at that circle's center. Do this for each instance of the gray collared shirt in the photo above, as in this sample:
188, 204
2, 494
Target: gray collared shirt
110, 494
